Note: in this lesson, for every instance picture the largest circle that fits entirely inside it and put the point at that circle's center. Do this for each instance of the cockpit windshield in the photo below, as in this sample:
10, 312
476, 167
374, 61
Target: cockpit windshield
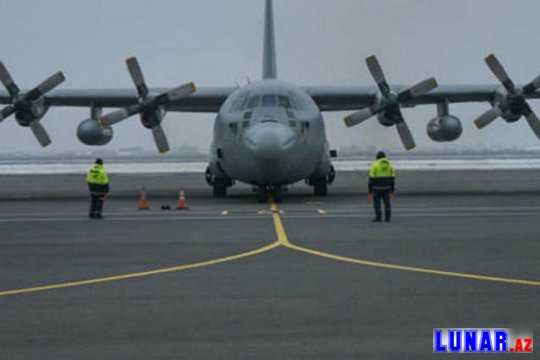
291, 101
249, 99
268, 101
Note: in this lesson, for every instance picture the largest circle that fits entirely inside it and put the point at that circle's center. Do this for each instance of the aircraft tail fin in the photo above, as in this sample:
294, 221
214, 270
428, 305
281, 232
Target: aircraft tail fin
269, 52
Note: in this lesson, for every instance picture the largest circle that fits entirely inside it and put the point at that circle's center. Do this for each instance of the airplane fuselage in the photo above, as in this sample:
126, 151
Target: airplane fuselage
270, 133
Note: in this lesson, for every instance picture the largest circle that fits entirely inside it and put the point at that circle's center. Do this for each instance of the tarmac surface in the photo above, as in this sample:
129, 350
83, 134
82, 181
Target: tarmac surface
310, 278
426, 177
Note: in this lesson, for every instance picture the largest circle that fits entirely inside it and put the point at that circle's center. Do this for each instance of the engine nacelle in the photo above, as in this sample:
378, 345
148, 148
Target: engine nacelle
444, 128
90, 132
385, 121
501, 97
29, 111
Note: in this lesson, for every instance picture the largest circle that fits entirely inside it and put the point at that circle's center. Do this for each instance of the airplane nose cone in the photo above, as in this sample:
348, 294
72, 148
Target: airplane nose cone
269, 141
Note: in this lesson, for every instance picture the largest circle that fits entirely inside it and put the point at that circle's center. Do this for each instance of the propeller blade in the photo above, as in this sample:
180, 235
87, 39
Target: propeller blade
497, 69
160, 139
378, 74
8, 82
6, 112
405, 135
118, 115
531, 87
488, 117
46, 86
177, 93
421, 88
40, 133
137, 76
532, 119
358, 117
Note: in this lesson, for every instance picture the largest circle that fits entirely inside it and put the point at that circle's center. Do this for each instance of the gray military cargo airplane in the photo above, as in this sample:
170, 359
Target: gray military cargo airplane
270, 133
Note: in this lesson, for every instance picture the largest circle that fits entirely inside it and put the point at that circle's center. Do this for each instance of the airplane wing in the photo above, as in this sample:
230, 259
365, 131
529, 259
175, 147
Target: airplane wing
29, 106
366, 102
210, 99
334, 98
507, 100
204, 100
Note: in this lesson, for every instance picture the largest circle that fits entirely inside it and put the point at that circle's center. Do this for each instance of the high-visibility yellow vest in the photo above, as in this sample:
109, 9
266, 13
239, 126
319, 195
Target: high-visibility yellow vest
381, 169
97, 175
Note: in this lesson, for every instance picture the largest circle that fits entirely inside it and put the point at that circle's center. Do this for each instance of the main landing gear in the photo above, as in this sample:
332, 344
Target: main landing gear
320, 187
320, 184
219, 184
220, 188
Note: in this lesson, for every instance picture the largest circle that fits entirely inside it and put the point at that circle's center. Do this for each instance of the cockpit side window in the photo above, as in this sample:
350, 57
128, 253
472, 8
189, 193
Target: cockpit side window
284, 102
254, 101
297, 102
239, 102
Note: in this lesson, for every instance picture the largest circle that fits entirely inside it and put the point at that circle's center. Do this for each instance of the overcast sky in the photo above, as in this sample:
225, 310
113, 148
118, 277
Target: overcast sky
219, 42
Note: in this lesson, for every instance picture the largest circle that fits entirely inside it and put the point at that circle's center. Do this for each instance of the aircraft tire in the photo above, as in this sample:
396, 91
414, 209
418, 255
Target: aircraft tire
320, 188
262, 194
220, 189
277, 194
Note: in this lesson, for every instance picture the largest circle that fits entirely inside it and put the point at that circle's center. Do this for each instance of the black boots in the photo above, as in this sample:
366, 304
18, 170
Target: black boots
95, 216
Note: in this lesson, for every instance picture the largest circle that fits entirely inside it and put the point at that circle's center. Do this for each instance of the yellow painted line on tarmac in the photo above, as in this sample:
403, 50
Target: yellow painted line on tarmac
411, 268
280, 230
141, 274
284, 241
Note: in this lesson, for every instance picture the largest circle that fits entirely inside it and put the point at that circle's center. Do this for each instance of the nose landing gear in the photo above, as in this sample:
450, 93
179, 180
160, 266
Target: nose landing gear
265, 191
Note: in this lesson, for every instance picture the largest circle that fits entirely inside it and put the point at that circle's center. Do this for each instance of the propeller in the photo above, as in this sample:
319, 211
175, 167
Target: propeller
390, 103
29, 106
514, 101
150, 107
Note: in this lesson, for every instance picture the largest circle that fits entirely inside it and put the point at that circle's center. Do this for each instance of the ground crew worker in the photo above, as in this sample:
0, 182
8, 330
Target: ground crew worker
381, 186
98, 185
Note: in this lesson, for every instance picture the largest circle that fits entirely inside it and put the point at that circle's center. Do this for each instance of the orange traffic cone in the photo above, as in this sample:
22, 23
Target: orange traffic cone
182, 202
143, 202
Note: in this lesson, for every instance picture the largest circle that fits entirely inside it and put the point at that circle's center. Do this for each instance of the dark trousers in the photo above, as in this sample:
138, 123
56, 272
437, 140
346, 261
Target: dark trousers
96, 205
383, 195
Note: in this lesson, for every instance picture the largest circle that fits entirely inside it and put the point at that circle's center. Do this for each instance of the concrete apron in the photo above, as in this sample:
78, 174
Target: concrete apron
168, 184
